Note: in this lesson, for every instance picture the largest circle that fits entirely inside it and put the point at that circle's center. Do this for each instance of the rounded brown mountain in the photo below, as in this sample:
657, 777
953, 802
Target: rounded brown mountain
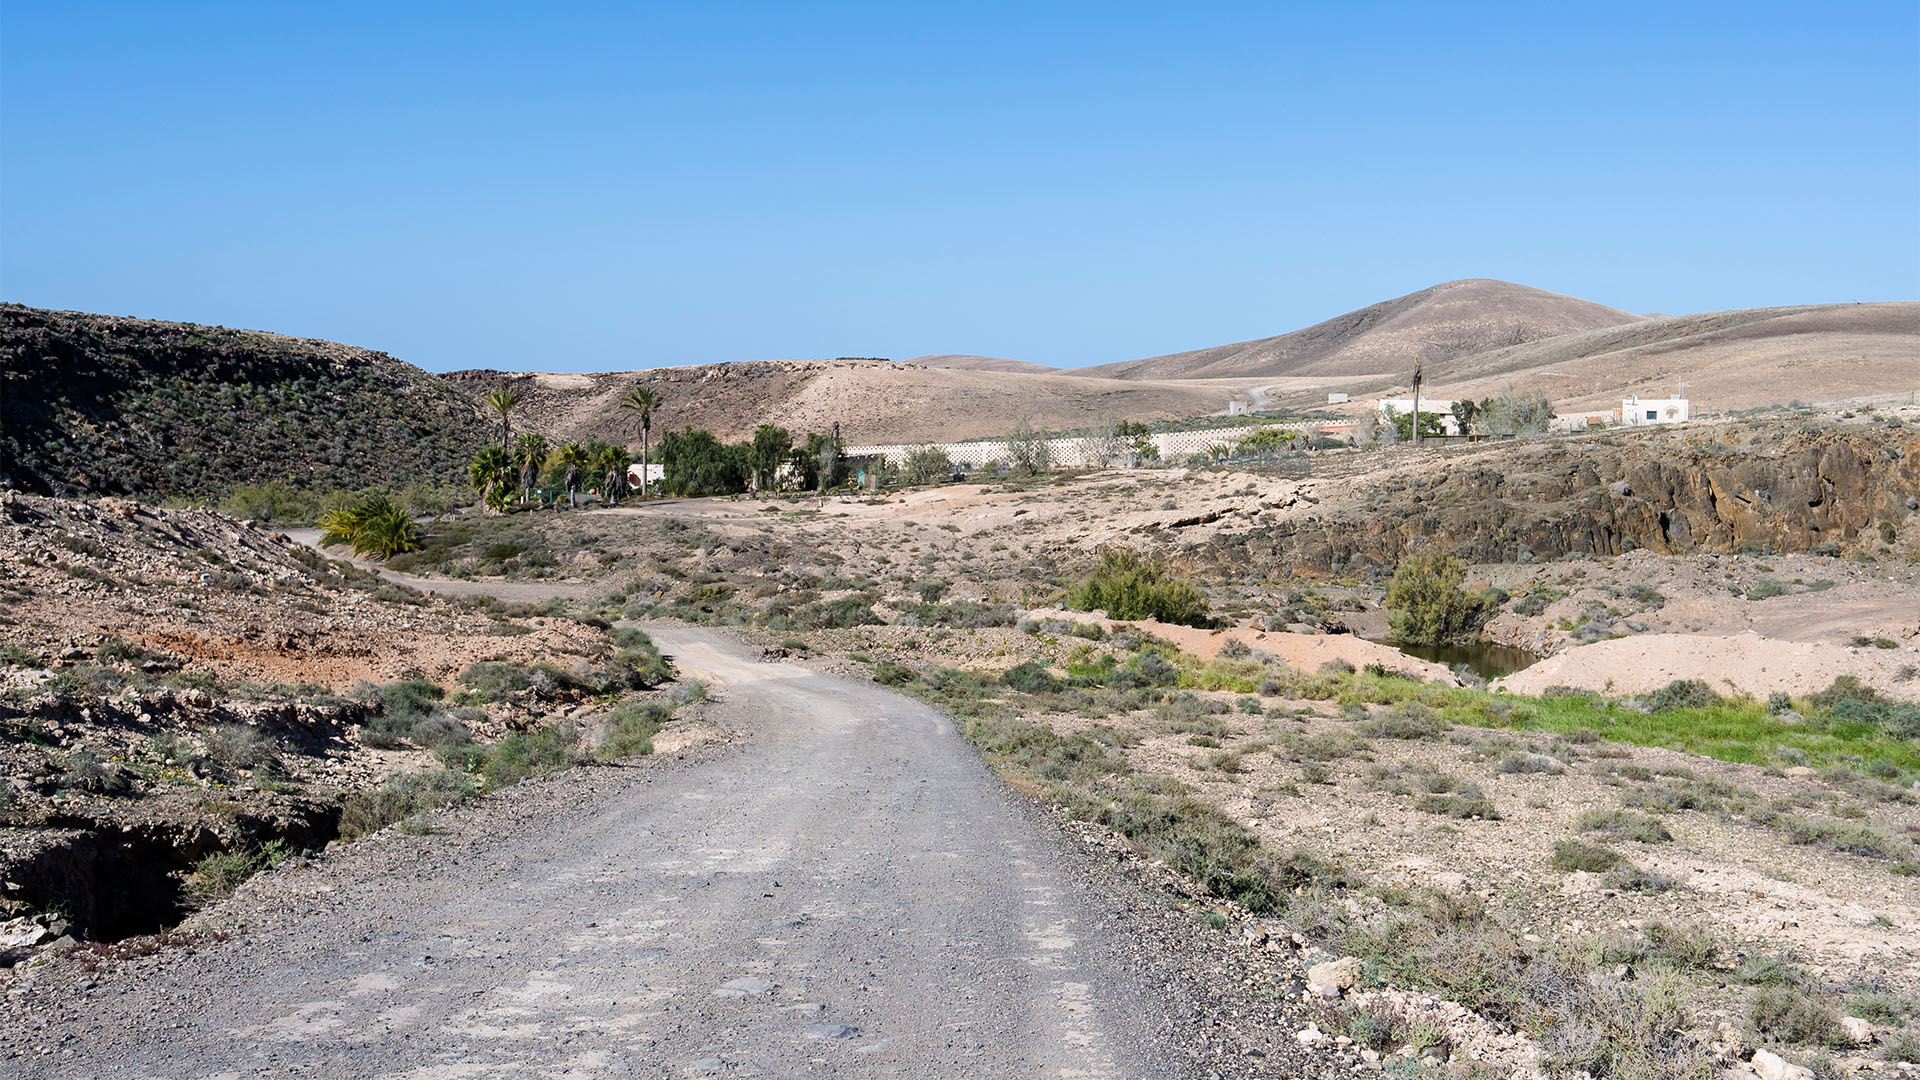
1455, 318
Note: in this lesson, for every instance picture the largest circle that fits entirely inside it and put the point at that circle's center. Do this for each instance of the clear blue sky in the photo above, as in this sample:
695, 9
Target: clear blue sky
590, 187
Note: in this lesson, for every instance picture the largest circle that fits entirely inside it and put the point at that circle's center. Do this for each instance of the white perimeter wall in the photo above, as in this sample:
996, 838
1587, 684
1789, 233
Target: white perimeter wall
1073, 451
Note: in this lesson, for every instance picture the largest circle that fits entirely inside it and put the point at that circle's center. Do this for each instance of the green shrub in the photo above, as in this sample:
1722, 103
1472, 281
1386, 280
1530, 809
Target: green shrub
629, 729
219, 874
889, 673
1126, 586
1464, 807
1030, 677
374, 526
402, 797
237, 746
1571, 855
1684, 945
1634, 879
843, 614
1425, 604
521, 754
1682, 694
1411, 721
85, 771
1794, 1016
637, 664
1623, 825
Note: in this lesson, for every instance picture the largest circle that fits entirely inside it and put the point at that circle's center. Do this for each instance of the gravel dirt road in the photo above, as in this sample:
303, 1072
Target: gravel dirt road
840, 888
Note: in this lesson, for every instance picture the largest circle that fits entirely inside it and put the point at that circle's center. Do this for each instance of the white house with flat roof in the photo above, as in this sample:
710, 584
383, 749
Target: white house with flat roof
1637, 411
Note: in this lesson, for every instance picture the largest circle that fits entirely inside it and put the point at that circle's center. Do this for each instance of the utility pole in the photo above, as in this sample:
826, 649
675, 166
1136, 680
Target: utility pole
1416, 402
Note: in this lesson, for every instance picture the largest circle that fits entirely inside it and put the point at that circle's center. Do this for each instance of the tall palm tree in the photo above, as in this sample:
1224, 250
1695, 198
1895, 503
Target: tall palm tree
575, 458
502, 401
530, 454
643, 399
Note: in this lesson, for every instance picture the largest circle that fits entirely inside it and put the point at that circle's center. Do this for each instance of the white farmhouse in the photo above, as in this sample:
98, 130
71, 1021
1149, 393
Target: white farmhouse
1637, 411
1439, 407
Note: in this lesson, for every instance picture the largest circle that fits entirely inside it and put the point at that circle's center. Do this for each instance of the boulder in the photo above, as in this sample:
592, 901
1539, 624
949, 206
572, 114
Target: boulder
1768, 1065
1330, 979
1858, 1031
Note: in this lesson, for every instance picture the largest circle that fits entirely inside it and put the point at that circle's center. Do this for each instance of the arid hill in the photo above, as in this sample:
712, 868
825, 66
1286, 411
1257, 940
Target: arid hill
873, 401
1453, 319
980, 363
1729, 359
97, 404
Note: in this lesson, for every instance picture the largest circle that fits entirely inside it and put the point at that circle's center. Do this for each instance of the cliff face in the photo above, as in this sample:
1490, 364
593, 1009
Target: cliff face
1750, 489
95, 404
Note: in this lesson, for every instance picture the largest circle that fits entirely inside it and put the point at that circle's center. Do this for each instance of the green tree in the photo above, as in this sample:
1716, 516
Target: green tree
1028, 449
1430, 424
770, 447
694, 463
1465, 410
530, 456
1426, 605
1516, 414
502, 402
642, 400
492, 475
927, 465
1127, 586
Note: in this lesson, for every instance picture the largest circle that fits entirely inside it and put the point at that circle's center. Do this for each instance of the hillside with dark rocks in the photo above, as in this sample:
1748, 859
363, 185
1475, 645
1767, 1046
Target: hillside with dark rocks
98, 404
1760, 486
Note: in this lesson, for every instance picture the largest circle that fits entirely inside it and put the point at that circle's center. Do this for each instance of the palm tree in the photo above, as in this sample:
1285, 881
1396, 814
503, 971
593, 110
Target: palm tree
643, 399
574, 457
491, 474
615, 461
530, 453
502, 401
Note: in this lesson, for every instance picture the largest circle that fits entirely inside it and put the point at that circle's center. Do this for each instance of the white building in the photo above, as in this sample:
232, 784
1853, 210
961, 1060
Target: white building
1439, 407
1637, 411
1337, 398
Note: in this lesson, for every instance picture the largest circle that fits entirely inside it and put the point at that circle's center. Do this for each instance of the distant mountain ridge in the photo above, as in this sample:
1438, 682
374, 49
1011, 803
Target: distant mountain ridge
1452, 319
960, 362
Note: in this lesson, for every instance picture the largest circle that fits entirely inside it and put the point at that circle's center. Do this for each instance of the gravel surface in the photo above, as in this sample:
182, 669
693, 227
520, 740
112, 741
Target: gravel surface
837, 888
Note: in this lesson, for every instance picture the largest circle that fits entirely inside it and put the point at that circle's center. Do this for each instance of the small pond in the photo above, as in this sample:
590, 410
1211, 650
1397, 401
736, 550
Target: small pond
1487, 660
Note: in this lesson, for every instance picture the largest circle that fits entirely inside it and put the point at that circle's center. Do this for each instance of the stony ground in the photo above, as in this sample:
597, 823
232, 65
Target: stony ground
961, 583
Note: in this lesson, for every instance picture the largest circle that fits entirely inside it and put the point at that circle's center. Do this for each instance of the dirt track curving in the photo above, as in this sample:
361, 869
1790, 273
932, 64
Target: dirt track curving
844, 890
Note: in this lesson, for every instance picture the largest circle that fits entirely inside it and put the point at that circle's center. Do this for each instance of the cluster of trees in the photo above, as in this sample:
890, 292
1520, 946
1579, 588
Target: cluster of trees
695, 463
522, 466
1506, 414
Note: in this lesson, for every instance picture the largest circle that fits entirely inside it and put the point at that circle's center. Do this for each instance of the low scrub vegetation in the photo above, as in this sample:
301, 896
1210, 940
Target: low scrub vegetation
1126, 586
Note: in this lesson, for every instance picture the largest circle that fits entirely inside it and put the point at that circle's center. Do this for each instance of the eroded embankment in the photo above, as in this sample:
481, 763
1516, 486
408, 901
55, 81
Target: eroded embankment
1729, 488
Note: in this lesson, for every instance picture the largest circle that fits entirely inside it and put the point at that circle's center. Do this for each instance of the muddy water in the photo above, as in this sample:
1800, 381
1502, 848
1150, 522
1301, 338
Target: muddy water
1486, 659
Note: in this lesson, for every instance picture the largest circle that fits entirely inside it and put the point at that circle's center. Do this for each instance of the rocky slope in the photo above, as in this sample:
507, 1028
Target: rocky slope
97, 404
1756, 486
1452, 319
175, 684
